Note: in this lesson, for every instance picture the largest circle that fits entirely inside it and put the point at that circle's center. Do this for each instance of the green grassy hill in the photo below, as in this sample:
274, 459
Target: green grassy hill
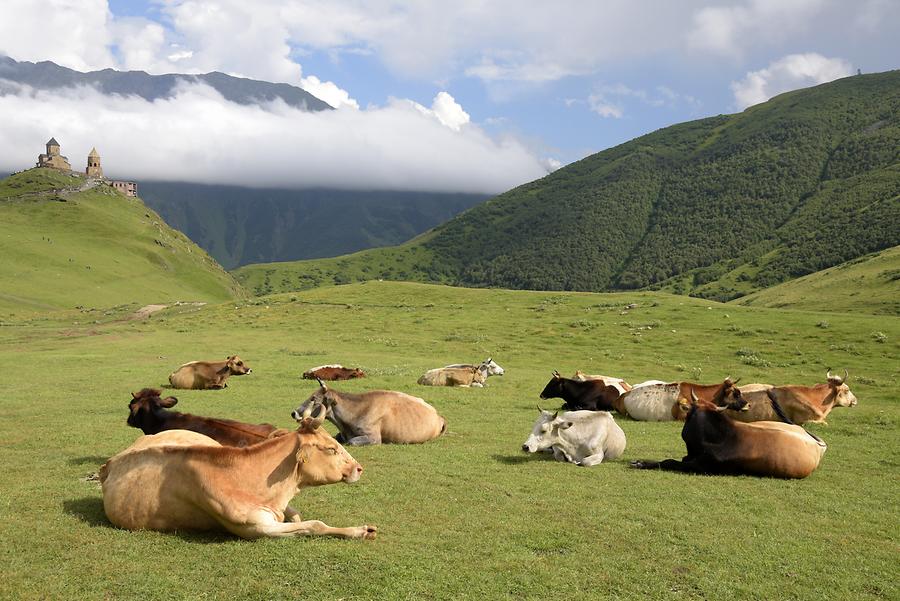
718, 207
468, 516
869, 284
95, 248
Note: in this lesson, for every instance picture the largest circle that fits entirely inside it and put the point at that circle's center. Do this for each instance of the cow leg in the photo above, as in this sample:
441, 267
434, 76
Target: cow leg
291, 515
592, 459
561, 455
264, 524
358, 441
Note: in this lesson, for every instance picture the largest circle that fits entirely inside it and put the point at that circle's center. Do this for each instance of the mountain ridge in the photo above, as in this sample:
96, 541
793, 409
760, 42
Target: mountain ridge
47, 75
779, 190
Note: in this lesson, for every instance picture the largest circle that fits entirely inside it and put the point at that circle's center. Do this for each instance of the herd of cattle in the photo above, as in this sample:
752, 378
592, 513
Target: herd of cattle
190, 472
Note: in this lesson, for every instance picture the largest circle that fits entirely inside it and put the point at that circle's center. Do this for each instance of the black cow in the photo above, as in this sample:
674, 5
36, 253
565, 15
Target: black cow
592, 395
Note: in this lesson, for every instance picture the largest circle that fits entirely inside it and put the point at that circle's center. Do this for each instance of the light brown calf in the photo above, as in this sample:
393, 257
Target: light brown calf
206, 375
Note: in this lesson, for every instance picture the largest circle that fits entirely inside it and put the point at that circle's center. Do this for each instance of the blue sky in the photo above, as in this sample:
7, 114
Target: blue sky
555, 81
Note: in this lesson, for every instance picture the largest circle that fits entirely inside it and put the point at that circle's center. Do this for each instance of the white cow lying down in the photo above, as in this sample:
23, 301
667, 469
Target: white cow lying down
580, 437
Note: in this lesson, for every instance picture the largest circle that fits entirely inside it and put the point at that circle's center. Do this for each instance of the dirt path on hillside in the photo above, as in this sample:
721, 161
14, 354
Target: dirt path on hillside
147, 311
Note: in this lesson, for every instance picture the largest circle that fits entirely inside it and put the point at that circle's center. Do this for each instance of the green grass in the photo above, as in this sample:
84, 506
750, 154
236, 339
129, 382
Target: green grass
94, 249
467, 516
870, 284
409, 261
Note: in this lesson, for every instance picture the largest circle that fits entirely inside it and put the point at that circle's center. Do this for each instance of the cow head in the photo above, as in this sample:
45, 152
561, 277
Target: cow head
728, 396
842, 395
357, 373
144, 407
554, 387
320, 458
236, 366
323, 397
545, 432
491, 367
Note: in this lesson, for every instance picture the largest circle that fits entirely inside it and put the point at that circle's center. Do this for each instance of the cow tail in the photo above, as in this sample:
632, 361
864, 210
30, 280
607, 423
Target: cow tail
778, 410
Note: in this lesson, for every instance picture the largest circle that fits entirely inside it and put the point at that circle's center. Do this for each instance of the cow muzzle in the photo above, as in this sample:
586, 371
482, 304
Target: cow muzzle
353, 473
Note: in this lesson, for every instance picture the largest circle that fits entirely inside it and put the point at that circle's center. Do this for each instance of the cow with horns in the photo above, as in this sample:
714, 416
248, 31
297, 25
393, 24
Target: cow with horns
799, 404
377, 416
716, 444
180, 480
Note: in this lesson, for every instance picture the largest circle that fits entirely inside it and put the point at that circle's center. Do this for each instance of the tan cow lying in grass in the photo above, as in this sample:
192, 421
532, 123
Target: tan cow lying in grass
464, 377
799, 404
377, 416
208, 375
181, 480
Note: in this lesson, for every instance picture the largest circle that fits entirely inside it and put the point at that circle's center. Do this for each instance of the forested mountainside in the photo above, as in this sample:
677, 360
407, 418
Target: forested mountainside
717, 207
238, 225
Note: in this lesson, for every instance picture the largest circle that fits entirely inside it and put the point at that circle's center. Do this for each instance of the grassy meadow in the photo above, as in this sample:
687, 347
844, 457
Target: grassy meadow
62, 248
467, 516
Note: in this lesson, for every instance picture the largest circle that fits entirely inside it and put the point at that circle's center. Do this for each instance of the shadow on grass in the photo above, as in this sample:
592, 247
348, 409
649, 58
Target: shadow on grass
90, 511
95, 459
522, 458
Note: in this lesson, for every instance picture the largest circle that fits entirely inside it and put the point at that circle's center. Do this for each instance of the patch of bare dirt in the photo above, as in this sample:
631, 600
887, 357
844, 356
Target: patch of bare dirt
147, 311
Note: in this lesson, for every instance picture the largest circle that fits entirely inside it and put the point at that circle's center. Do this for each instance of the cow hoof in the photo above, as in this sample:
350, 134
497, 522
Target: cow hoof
638, 464
370, 532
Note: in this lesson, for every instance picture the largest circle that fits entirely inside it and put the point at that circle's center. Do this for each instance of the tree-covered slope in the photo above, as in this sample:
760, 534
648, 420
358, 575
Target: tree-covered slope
239, 225
719, 207
63, 247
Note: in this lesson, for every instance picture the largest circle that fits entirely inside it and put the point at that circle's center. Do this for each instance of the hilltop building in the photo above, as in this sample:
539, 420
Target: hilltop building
126, 188
93, 168
53, 159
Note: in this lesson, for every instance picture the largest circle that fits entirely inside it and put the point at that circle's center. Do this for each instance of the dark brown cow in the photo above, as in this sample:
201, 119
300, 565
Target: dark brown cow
592, 395
333, 372
148, 412
208, 375
716, 444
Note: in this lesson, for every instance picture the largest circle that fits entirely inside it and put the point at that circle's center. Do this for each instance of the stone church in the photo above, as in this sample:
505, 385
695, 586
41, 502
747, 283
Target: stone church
54, 160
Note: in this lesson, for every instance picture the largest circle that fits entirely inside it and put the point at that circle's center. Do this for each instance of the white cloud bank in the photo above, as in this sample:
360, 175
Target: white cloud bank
789, 73
198, 136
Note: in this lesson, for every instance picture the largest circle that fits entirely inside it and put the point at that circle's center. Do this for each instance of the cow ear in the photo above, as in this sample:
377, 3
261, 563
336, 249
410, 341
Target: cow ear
168, 402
